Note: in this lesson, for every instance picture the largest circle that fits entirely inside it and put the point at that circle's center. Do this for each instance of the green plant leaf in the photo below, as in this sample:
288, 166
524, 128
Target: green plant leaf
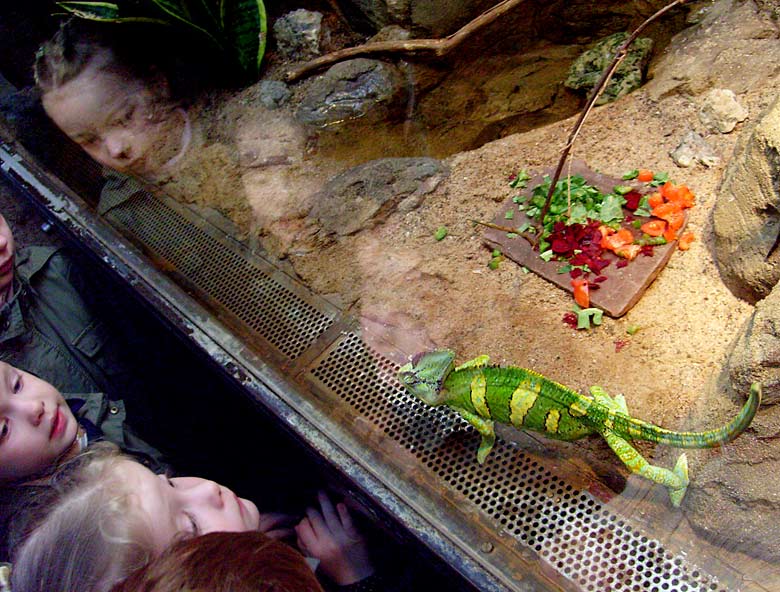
98, 11
245, 25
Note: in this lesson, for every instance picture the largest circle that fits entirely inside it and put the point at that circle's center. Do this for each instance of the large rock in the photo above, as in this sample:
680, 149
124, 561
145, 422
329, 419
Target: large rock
712, 53
756, 353
356, 89
366, 195
747, 213
733, 499
564, 21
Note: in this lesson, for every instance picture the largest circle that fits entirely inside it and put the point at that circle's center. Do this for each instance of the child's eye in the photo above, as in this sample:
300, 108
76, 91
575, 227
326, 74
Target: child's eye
193, 524
126, 116
170, 482
3, 431
16, 385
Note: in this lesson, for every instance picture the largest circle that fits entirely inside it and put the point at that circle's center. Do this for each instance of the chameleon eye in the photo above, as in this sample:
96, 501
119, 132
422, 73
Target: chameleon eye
417, 357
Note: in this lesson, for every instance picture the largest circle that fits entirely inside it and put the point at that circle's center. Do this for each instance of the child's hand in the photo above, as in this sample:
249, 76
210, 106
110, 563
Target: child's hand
277, 526
331, 537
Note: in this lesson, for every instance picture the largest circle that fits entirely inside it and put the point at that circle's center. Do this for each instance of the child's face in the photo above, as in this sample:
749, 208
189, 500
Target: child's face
186, 505
119, 120
36, 424
6, 255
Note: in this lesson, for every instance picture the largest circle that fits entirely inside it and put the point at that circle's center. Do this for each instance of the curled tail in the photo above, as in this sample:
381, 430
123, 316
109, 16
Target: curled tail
637, 429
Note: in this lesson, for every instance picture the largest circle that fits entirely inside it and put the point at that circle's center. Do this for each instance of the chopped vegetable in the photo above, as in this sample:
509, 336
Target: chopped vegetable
581, 292
654, 227
509, 215
440, 233
655, 199
632, 329
587, 315
630, 175
684, 243
644, 175
628, 251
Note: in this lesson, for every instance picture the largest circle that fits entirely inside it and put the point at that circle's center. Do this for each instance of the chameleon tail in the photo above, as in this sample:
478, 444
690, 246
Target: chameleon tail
639, 430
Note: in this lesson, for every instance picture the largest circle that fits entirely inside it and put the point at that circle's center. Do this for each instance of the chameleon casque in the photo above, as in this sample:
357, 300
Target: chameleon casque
483, 394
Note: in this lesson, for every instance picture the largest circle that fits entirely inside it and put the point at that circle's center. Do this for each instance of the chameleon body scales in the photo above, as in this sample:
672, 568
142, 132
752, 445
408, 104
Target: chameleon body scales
484, 394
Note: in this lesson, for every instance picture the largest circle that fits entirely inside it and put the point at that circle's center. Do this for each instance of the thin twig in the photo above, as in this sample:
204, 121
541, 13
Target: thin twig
598, 89
430, 47
507, 229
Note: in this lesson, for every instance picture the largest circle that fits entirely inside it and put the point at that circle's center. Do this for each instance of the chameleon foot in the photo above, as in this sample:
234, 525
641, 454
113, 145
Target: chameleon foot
681, 470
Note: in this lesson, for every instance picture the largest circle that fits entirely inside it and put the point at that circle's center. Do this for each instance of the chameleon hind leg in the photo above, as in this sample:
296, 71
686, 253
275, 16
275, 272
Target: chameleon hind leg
675, 480
485, 428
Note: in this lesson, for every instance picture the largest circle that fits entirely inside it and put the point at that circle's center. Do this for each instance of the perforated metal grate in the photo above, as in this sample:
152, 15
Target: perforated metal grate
575, 533
235, 279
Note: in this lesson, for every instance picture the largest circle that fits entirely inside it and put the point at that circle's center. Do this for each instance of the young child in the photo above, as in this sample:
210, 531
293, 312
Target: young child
110, 515
39, 428
48, 327
225, 562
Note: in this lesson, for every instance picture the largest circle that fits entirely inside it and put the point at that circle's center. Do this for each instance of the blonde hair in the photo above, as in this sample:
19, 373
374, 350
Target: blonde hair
86, 539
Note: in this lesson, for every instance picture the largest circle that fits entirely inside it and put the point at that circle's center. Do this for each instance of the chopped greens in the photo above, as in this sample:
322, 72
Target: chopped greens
440, 233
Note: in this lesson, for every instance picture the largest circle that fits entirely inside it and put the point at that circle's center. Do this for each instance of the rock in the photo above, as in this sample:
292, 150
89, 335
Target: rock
712, 54
755, 356
299, 34
720, 111
272, 94
692, 149
366, 195
733, 499
746, 217
359, 88
586, 70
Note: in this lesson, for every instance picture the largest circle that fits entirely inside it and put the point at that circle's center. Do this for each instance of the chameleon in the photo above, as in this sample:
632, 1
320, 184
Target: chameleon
483, 394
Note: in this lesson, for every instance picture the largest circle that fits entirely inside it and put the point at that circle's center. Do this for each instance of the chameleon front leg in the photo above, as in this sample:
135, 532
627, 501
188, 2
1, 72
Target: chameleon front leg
675, 480
485, 428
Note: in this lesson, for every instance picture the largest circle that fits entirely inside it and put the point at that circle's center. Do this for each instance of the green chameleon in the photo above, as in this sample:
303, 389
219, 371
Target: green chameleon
483, 394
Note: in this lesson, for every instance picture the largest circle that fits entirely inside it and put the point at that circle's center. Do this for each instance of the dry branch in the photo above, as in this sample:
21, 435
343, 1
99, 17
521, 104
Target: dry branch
428, 47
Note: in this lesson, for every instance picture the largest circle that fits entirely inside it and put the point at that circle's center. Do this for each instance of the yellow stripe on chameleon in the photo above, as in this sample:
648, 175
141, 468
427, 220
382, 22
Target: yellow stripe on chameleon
551, 421
577, 409
522, 400
478, 389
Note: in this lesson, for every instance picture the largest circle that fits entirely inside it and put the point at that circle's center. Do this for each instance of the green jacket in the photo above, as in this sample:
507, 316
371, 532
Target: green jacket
47, 328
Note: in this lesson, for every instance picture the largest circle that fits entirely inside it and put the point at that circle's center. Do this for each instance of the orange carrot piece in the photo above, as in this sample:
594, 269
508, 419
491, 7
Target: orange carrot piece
685, 241
654, 227
645, 175
581, 292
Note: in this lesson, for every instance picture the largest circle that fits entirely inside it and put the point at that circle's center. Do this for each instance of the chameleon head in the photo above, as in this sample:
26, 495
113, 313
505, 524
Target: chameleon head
424, 375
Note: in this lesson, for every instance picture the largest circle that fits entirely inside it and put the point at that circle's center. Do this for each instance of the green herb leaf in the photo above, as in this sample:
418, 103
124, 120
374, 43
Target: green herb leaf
631, 175
611, 208
512, 235
622, 189
659, 179
520, 180
547, 255
509, 215
496, 253
440, 233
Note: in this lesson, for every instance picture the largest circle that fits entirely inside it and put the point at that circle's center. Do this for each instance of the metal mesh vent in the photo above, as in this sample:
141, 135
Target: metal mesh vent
238, 281
575, 533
